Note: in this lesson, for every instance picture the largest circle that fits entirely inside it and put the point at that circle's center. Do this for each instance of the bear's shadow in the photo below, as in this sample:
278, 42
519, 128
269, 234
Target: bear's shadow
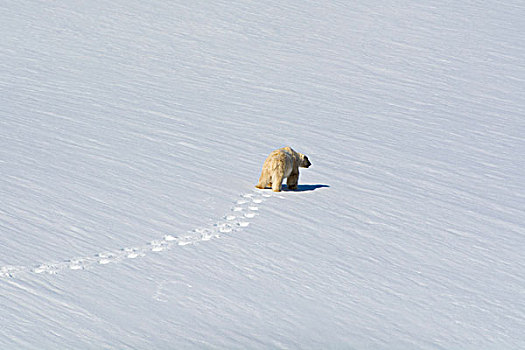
304, 188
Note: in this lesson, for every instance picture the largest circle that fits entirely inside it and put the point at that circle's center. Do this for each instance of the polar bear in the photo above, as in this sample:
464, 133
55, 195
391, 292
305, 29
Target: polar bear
280, 164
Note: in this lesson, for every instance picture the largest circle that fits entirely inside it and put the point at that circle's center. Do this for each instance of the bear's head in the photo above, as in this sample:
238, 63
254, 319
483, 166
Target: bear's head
304, 163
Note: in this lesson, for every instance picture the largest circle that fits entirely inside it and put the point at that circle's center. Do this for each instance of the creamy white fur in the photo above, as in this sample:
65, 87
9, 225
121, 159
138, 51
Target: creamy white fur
280, 164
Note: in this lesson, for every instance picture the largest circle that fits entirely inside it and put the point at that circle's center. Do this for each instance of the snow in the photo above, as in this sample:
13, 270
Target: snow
132, 134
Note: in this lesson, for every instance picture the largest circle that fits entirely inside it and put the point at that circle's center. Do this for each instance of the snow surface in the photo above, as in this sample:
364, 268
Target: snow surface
132, 134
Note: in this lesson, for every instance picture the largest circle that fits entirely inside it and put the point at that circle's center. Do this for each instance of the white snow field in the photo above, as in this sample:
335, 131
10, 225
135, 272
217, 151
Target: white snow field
132, 134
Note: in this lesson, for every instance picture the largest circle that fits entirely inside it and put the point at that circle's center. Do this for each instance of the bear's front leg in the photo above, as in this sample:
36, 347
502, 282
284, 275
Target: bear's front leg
292, 180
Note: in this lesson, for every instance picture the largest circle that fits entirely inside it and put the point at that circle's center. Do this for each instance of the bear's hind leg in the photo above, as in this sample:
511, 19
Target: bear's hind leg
277, 181
261, 185
264, 180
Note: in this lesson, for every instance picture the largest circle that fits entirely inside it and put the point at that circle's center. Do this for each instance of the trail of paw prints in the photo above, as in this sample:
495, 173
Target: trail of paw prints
11, 271
244, 209
238, 218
